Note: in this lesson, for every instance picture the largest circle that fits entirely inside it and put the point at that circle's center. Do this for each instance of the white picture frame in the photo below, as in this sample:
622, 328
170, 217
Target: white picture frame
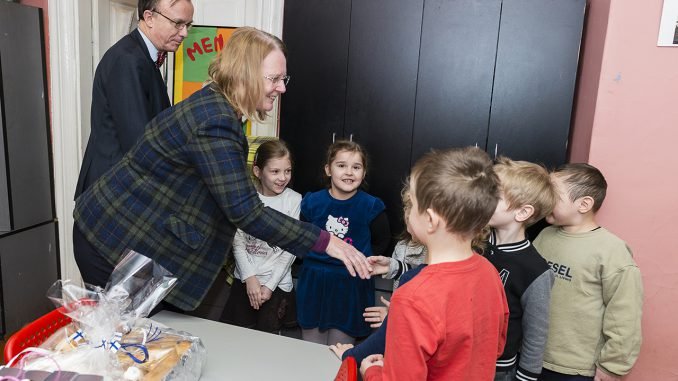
668, 27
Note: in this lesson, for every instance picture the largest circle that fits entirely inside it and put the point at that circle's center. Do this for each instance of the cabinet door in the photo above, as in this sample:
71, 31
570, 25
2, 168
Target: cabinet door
29, 266
5, 216
456, 69
537, 57
312, 110
382, 80
27, 188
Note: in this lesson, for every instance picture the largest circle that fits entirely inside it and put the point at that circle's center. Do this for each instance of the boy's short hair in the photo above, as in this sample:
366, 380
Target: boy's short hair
459, 185
583, 180
525, 183
407, 207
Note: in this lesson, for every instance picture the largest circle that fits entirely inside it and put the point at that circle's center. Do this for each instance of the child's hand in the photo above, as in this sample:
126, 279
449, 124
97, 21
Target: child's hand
254, 291
380, 264
369, 361
602, 376
376, 315
340, 348
265, 294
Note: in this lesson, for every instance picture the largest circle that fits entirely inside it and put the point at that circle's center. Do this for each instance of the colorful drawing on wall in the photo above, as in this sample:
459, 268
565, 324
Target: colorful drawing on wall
193, 58
668, 29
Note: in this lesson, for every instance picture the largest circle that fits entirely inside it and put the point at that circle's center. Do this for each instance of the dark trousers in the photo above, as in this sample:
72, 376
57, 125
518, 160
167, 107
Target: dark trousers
94, 268
277, 312
547, 375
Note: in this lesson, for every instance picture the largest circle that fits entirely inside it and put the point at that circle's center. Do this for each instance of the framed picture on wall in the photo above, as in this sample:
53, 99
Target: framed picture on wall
668, 28
193, 58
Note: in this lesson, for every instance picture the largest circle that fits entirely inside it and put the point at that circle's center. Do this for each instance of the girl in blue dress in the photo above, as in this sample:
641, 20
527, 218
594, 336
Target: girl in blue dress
330, 301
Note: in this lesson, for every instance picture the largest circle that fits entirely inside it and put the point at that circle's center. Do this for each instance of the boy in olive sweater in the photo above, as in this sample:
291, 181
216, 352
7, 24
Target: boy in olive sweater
596, 301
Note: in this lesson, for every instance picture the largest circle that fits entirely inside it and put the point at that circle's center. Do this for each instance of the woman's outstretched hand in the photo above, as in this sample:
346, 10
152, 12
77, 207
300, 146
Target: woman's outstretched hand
354, 260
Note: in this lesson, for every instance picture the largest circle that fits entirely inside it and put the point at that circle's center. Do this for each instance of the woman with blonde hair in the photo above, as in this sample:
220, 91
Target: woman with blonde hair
183, 190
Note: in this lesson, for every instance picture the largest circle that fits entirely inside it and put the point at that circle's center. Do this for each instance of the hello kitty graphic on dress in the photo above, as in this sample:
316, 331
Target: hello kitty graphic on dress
337, 226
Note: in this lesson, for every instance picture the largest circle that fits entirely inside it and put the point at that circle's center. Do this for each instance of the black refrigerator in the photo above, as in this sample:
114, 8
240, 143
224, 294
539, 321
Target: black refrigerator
29, 254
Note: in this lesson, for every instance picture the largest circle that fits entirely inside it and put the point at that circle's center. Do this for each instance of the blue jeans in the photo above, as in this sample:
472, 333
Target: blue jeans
547, 375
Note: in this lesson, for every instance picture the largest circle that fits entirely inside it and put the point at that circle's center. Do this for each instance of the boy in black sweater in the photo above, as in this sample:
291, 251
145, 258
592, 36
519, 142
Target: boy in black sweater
527, 195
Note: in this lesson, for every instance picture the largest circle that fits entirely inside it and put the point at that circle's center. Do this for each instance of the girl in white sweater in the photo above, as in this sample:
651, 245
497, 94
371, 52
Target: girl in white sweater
261, 296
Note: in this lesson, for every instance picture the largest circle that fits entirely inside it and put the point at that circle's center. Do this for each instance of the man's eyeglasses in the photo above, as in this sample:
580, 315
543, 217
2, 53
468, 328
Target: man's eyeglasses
179, 25
284, 78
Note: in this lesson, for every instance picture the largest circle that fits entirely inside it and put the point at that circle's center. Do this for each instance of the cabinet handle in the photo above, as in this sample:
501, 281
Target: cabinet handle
350, 138
496, 148
334, 135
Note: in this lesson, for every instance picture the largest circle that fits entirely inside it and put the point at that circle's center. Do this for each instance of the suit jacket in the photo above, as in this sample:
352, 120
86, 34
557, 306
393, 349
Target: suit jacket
128, 92
180, 194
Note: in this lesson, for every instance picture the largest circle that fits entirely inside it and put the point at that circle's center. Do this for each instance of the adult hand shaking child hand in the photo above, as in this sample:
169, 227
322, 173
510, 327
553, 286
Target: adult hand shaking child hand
380, 264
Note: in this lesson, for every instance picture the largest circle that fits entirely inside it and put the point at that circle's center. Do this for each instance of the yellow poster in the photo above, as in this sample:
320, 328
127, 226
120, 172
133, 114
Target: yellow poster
193, 58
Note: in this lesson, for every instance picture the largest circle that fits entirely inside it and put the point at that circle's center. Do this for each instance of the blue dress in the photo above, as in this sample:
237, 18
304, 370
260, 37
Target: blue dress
327, 295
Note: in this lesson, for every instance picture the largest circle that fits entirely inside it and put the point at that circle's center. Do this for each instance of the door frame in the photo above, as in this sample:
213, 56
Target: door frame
68, 77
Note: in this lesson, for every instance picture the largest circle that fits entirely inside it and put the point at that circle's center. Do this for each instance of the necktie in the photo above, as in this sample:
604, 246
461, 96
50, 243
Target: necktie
161, 58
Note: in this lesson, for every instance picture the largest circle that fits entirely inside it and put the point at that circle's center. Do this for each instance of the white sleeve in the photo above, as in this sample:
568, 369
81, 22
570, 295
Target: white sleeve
397, 265
295, 201
244, 267
281, 266
283, 263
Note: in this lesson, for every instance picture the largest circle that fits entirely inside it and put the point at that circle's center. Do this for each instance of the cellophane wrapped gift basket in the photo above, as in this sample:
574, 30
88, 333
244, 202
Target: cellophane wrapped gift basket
110, 334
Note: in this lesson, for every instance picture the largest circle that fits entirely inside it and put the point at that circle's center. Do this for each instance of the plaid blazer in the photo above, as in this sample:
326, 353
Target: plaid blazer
180, 194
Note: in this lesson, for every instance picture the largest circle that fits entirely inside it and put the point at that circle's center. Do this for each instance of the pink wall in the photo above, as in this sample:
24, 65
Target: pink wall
626, 124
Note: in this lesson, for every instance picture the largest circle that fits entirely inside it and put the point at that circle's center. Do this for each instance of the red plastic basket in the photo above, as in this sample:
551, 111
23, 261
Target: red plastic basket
348, 371
35, 333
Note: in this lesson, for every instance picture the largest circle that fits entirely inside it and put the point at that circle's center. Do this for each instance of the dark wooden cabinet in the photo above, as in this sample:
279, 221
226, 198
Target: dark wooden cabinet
404, 76
381, 91
28, 246
29, 266
456, 71
318, 37
534, 79
26, 182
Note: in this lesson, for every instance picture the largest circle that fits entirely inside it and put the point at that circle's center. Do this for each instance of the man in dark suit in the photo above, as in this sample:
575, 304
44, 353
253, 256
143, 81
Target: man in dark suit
128, 88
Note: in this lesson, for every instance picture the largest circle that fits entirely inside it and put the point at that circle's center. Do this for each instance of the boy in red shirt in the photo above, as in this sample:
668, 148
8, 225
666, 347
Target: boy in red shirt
449, 322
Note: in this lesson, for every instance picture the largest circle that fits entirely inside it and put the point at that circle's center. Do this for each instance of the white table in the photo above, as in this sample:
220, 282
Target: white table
235, 353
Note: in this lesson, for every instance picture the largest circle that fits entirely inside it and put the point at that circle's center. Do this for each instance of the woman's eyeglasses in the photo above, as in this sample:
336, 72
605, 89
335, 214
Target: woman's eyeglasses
284, 78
